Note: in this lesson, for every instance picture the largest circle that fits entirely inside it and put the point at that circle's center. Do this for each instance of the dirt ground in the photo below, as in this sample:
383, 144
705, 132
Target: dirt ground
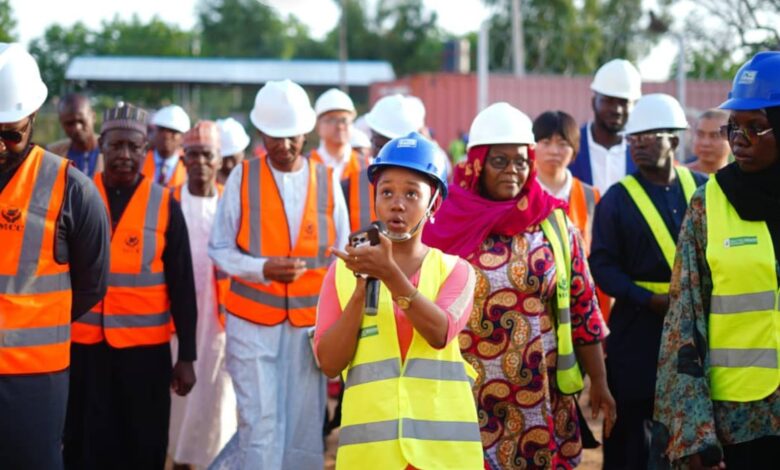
591, 458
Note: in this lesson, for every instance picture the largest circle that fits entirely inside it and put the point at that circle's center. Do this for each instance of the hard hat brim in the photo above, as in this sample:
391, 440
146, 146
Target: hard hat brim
379, 129
748, 104
305, 125
234, 149
625, 96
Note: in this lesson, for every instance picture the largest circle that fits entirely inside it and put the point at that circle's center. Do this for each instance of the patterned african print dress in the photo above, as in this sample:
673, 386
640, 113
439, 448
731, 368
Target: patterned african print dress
510, 339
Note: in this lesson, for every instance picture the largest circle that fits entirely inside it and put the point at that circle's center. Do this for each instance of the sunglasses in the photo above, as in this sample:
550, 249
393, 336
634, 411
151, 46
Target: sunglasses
14, 137
751, 134
647, 138
500, 162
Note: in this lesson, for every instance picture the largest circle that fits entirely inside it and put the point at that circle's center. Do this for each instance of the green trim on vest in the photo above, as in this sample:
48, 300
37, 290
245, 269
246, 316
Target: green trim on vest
744, 321
567, 372
652, 217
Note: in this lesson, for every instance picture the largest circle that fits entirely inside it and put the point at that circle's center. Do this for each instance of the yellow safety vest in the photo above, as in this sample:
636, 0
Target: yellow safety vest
656, 223
744, 321
567, 372
418, 412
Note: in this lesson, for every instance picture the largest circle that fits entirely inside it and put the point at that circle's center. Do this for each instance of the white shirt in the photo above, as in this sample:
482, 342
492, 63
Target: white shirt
332, 162
203, 421
222, 245
608, 166
169, 163
564, 192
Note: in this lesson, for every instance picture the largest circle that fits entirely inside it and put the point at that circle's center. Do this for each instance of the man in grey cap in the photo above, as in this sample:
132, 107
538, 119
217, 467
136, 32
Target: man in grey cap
119, 412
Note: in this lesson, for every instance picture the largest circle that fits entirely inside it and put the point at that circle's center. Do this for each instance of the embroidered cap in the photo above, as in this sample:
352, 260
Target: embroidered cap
204, 133
125, 116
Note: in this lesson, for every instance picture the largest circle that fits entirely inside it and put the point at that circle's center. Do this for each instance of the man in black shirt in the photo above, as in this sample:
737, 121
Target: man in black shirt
53, 268
118, 417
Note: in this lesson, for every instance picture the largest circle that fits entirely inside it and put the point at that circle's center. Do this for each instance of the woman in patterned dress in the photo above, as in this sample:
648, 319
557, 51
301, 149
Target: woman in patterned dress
492, 219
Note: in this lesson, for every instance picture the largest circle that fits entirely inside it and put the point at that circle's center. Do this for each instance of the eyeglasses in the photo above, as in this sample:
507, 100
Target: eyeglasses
14, 137
647, 138
500, 162
334, 121
751, 134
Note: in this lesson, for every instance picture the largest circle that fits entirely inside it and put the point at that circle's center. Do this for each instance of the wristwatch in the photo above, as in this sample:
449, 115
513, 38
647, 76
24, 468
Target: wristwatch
405, 301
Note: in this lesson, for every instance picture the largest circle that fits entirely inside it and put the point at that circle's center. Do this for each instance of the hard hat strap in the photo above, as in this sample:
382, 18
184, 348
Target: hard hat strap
400, 238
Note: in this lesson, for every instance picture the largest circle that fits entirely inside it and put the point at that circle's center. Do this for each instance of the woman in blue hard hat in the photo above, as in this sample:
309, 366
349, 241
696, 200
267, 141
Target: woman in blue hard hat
407, 398
535, 317
717, 397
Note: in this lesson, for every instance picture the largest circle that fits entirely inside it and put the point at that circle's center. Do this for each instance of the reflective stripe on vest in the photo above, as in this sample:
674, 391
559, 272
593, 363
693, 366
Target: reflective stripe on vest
582, 206
35, 290
388, 414
360, 198
567, 372
135, 310
274, 302
744, 321
652, 217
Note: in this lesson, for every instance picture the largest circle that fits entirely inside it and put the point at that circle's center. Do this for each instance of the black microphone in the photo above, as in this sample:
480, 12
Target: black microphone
369, 236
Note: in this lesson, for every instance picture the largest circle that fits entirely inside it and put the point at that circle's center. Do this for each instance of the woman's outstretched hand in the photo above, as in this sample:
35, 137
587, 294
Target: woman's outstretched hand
374, 261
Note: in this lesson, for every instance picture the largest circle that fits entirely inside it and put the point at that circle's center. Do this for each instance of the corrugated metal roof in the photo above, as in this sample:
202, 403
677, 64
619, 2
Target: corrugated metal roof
224, 71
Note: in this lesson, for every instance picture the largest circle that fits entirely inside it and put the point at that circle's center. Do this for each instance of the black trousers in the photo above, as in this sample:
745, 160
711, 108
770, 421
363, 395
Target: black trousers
119, 407
760, 453
32, 415
625, 447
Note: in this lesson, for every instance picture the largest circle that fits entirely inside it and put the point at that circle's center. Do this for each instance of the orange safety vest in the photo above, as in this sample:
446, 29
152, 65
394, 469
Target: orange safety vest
273, 303
582, 207
35, 292
222, 278
178, 177
136, 308
358, 190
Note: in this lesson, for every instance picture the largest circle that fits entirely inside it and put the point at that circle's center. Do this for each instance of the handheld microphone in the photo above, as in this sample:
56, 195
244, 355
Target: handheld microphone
369, 236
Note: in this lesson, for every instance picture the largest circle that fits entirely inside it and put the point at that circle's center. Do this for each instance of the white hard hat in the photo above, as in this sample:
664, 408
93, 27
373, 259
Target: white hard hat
501, 123
396, 115
282, 109
172, 117
656, 111
359, 139
618, 78
22, 91
232, 137
333, 100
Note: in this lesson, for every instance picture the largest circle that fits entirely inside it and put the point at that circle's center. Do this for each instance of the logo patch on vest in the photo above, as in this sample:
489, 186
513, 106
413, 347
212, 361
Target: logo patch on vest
739, 241
369, 331
11, 216
132, 243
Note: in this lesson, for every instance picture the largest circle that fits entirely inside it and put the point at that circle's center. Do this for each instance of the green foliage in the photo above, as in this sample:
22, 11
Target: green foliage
241, 28
54, 50
722, 34
410, 39
568, 36
7, 22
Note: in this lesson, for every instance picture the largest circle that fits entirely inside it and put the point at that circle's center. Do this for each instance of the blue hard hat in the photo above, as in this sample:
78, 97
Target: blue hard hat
757, 84
415, 152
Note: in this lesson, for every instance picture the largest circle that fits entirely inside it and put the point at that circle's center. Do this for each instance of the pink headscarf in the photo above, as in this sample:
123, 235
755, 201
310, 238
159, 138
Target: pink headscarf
466, 218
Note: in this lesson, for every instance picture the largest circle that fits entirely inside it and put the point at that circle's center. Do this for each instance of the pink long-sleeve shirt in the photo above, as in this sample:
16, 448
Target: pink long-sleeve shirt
455, 298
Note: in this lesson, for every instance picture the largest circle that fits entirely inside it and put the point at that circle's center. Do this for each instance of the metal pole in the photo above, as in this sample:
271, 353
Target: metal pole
681, 69
518, 42
343, 48
482, 66
681, 84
